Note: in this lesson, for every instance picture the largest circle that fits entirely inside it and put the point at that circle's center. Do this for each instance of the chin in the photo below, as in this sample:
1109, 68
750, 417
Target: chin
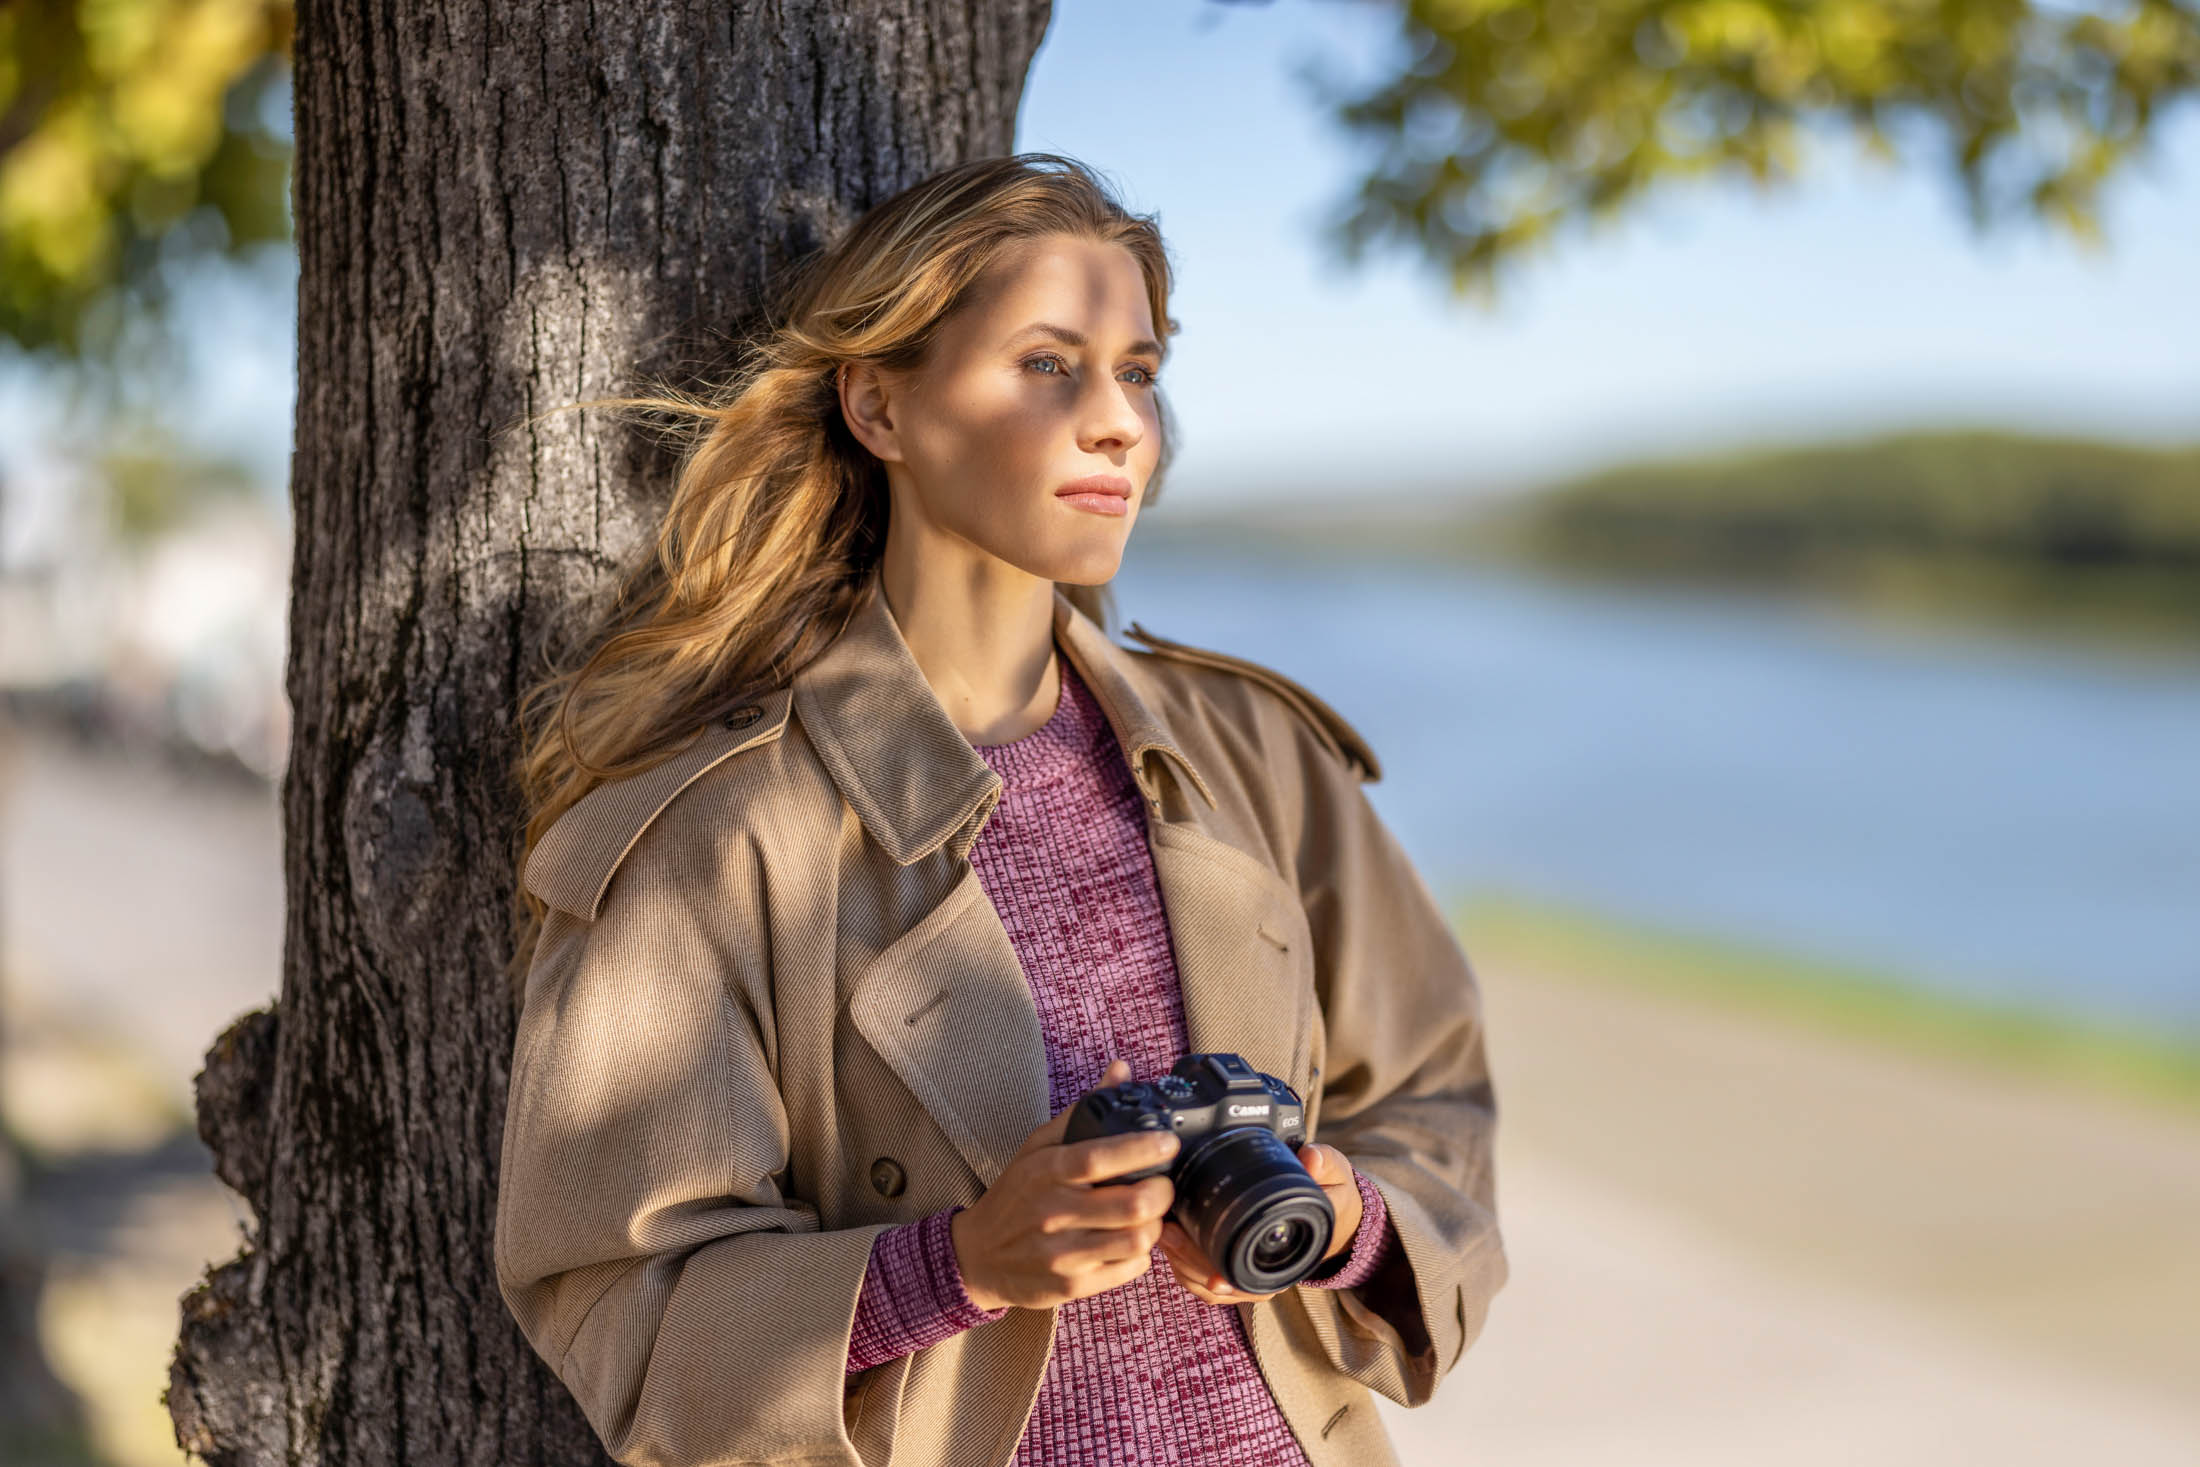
1087, 568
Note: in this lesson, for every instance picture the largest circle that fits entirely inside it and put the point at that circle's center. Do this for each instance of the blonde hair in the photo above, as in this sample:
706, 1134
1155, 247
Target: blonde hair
778, 513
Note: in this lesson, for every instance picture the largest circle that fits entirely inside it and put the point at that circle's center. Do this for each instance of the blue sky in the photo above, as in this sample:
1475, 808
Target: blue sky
1857, 300
1713, 317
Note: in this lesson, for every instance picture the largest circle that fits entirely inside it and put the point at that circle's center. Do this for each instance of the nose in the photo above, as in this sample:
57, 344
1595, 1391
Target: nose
1111, 421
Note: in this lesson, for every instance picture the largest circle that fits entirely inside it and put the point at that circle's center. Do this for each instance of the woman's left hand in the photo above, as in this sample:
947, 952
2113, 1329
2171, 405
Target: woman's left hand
1198, 1274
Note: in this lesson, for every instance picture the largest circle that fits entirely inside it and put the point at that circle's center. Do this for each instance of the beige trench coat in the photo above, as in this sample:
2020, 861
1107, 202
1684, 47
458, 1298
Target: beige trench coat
772, 1013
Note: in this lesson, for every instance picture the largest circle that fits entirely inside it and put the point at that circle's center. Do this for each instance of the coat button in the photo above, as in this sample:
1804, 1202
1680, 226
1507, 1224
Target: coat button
743, 716
887, 1177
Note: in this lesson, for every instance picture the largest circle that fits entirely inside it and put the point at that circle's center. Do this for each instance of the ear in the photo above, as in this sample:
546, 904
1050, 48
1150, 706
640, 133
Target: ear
866, 406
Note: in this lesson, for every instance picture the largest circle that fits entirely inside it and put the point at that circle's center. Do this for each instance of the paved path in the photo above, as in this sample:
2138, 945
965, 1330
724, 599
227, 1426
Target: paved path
1629, 1338
2055, 1222
1732, 1242
137, 897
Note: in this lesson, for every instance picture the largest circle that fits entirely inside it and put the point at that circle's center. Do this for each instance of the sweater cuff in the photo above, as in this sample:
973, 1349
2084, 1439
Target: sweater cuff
912, 1294
1371, 1243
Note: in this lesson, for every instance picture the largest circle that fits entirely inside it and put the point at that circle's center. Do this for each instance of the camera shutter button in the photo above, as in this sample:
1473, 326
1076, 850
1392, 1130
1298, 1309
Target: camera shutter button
887, 1177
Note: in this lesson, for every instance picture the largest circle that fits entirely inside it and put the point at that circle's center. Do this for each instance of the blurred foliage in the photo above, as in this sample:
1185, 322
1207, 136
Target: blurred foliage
1989, 516
156, 481
133, 134
2055, 501
1505, 120
1510, 118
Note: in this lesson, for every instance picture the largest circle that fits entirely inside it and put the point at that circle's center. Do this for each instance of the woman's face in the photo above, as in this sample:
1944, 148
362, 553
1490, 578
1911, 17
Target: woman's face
1046, 376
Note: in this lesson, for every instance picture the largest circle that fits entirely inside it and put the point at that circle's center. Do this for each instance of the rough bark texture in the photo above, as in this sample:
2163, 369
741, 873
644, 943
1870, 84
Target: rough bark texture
498, 209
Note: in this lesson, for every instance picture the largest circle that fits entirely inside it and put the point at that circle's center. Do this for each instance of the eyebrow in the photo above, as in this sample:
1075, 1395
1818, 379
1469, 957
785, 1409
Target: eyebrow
1143, 346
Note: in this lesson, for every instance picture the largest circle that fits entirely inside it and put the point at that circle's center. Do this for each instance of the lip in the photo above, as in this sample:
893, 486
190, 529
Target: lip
1114, 484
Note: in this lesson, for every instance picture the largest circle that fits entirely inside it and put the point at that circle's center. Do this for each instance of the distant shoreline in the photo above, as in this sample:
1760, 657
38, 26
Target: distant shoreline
1919, 595
2049, 537
1876, 1005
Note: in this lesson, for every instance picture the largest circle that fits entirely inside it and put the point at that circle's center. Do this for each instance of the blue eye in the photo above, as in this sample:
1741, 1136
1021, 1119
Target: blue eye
1150, 376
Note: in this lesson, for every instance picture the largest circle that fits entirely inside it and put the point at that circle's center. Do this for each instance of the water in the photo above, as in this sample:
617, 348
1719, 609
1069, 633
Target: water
1999, 819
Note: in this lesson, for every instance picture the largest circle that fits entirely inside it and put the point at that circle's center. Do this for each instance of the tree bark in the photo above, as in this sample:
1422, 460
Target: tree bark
497, 209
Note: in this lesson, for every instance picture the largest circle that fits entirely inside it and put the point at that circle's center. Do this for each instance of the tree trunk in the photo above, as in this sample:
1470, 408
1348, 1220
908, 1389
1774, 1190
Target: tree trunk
495, 213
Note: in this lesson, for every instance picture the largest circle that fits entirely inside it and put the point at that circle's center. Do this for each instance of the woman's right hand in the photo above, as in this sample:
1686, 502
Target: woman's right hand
1044, 1233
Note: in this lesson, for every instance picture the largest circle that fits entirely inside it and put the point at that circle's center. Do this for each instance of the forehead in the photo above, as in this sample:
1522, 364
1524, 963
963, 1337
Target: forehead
1092, 287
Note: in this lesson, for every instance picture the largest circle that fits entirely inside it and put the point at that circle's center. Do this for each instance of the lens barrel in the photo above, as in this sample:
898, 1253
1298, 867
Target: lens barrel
1252, 1208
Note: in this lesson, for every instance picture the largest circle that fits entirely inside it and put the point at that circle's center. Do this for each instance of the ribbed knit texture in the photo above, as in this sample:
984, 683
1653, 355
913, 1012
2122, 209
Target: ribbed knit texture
1145, 1372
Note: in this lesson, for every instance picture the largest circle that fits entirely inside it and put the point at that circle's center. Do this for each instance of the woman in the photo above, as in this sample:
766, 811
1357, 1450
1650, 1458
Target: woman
858, 852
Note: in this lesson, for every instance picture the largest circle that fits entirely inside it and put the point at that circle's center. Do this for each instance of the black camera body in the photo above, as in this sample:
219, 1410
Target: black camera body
1242, 1193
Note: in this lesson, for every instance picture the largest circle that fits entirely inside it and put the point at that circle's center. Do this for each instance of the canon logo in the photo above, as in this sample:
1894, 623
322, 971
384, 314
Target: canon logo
1248, 1110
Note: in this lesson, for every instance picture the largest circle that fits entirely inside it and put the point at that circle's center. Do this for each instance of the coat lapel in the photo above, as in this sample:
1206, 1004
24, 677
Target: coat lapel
1243, 951
946, 1006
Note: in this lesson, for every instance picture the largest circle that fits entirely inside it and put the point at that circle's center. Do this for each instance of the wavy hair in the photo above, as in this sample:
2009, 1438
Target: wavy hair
778, 513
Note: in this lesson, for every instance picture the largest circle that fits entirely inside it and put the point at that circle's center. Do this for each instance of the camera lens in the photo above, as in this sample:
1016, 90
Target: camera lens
1250, 1205
1281, 1243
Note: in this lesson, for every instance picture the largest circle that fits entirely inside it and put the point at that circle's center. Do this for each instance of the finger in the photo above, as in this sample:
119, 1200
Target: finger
1195, 1261
1083, 1249
1129, 1205
1049, 1134
1325, 1162
1103, 1157
1202, 1288
1191, 1276
1115, 1275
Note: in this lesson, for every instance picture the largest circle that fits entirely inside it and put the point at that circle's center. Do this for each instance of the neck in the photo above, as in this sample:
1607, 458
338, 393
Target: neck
985, 643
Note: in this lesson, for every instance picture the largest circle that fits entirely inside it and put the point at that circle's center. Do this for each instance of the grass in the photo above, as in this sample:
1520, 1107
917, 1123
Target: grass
1877, 1005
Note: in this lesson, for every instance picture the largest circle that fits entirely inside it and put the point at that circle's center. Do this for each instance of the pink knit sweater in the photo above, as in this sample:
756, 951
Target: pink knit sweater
1144, 1372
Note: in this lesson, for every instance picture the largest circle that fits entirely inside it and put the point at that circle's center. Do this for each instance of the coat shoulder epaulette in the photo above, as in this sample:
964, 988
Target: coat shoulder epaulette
573, 862
1330, 725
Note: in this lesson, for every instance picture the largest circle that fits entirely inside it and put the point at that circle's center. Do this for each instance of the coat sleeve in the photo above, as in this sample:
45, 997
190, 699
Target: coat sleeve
1406, 1090
643, 1240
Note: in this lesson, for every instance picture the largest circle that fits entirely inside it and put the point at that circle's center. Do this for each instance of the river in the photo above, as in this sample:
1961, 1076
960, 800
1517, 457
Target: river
1985, 815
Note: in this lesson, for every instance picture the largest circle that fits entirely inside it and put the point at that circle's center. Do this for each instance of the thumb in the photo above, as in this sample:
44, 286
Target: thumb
1050, 1134
1325, 1162
1118, 1071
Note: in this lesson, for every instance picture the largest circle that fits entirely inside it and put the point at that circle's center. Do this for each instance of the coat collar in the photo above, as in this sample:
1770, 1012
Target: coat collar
889, 746
908, 772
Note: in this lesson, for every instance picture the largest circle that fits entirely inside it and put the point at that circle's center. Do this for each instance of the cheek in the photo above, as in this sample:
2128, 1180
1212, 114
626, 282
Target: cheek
991, 487
993, 423
973, 464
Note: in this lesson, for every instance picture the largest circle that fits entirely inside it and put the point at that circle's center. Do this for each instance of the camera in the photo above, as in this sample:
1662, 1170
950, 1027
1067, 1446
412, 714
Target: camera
1241, 1192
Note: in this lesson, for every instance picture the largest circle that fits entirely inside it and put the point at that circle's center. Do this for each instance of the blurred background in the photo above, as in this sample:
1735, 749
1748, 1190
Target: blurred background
1776, 609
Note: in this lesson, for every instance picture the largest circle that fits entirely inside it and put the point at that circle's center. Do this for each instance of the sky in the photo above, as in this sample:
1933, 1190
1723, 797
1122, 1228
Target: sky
1713, 317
